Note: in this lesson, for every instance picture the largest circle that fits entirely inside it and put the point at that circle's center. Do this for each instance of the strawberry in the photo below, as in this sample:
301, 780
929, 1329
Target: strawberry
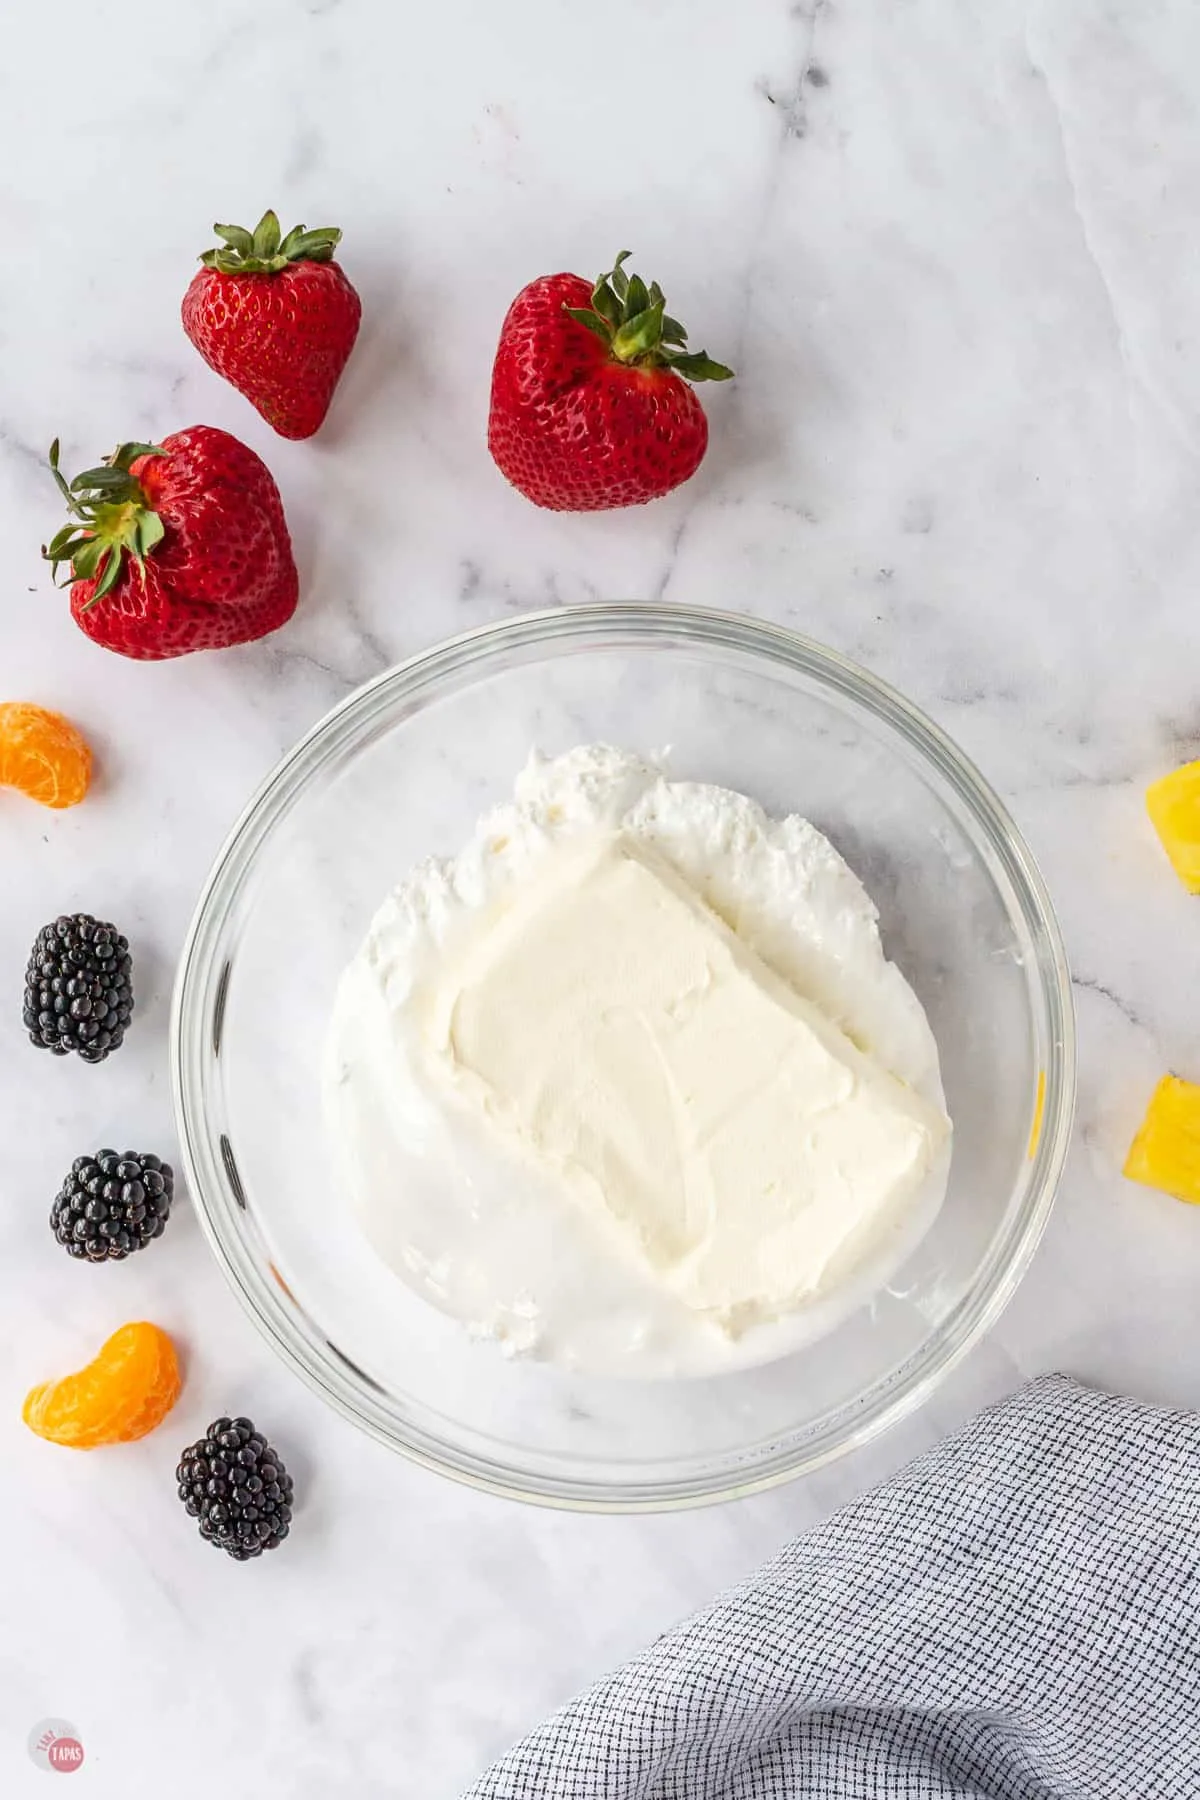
589, 408
176, 546
277, 318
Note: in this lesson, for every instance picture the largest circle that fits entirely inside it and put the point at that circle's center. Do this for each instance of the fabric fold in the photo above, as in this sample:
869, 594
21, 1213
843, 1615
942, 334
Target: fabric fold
1014, 1616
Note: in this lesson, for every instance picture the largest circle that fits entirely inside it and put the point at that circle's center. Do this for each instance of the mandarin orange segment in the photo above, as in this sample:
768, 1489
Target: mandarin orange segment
43, 755
124, 1392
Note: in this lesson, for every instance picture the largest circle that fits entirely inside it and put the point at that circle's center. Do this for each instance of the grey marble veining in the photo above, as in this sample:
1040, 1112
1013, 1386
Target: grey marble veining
949, 249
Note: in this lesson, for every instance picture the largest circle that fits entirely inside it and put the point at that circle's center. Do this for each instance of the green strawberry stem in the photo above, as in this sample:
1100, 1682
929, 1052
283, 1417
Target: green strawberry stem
264, 251
632, 320
111, 519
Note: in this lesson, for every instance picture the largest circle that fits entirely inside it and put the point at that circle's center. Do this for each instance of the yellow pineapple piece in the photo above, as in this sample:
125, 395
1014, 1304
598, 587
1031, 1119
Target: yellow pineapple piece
1166, 1151
1174, 807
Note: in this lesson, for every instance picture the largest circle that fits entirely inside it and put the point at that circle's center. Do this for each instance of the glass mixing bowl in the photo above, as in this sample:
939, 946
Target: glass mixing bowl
402, 769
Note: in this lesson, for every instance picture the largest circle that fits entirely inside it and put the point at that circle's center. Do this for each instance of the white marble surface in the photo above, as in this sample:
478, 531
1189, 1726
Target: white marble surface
950, 249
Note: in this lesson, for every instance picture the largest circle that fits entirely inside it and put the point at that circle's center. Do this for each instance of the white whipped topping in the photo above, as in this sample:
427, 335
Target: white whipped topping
629, 1082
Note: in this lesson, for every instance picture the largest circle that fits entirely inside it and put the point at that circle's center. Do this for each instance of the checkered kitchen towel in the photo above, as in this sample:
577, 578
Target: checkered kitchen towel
1016, 1616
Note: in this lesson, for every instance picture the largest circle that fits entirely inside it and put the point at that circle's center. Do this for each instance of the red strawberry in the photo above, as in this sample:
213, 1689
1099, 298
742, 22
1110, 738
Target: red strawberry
277, 318
176, 546
588, 406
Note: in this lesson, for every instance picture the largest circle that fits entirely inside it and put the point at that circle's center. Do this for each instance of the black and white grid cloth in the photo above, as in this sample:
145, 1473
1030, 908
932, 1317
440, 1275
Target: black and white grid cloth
1015, 1616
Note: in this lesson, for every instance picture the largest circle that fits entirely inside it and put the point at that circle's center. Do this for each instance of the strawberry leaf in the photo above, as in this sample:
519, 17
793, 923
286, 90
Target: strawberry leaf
264, 251
237, 239
125, 454
87, 558
583, 315
58, 476
606, 303
637, 299
266, 237
101, 481
311, 246
699, 366
639, 335
150, 531
113, 520
632, 320
108, 577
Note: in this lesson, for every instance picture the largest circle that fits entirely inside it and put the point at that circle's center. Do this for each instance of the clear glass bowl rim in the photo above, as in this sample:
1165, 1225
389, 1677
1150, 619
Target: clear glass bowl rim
616, 625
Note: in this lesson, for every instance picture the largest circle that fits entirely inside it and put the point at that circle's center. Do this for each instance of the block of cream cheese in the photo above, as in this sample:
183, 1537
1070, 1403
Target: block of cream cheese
614, 1029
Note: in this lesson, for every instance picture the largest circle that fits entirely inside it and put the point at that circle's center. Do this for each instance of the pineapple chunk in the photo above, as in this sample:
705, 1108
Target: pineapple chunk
1174, 807
1166, 1151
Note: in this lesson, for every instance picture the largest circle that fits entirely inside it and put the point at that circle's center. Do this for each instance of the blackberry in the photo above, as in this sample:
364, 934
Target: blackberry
236, 1485
112, 1204
78, 988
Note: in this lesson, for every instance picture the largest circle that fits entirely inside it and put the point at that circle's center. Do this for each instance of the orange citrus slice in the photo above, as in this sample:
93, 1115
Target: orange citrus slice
43, 755
123, 1393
